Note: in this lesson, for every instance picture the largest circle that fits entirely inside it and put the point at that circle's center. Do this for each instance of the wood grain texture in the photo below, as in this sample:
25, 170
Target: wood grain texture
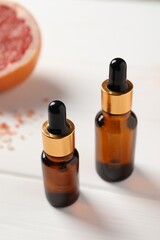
79, 40
98, 214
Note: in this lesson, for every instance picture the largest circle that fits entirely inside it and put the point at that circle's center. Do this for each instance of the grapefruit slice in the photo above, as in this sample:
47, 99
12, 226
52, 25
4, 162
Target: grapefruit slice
20, 43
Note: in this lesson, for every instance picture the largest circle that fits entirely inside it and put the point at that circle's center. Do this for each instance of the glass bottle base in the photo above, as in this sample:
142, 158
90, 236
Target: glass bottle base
60, 200
114, 173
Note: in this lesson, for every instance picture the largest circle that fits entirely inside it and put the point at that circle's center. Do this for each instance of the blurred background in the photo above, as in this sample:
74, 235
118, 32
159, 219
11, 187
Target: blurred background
79, 39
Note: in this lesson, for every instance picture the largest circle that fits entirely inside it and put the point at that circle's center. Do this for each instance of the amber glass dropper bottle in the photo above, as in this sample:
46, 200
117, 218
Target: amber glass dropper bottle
60, 159
116, 126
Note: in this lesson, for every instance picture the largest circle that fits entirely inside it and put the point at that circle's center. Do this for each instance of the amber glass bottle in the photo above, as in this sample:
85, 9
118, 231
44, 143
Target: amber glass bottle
60, 159
116, 126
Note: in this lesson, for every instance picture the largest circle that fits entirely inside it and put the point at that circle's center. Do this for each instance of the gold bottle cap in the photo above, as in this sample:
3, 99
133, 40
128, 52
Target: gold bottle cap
116, 102
116, 92
58, 145
58, 132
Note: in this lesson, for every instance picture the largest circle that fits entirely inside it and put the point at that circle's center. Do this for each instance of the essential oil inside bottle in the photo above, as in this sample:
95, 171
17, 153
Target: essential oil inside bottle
116, 126
60, 159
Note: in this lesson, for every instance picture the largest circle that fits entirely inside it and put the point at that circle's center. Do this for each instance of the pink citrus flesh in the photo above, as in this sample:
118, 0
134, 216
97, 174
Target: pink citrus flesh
19, 44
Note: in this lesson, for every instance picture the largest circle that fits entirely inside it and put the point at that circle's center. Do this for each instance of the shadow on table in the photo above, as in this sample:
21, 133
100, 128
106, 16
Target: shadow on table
34, 93
141, 185
84, 211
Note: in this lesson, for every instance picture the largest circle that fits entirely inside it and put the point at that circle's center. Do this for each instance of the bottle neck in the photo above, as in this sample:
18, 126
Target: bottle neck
60, 159
120, 116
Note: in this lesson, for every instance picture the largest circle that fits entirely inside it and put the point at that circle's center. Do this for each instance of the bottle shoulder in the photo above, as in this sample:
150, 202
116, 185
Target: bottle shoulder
51, 161
102, 118
99, 119
132, 120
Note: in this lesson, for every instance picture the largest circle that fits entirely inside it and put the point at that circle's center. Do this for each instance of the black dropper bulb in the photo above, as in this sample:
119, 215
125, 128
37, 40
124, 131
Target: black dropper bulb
117, 75
57, 118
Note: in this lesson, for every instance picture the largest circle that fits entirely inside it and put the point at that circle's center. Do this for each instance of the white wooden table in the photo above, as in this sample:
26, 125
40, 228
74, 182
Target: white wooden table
80, 38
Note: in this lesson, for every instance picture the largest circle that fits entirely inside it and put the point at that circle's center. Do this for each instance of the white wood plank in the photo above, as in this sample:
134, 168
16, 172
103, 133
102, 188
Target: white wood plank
98, 214
25, 159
